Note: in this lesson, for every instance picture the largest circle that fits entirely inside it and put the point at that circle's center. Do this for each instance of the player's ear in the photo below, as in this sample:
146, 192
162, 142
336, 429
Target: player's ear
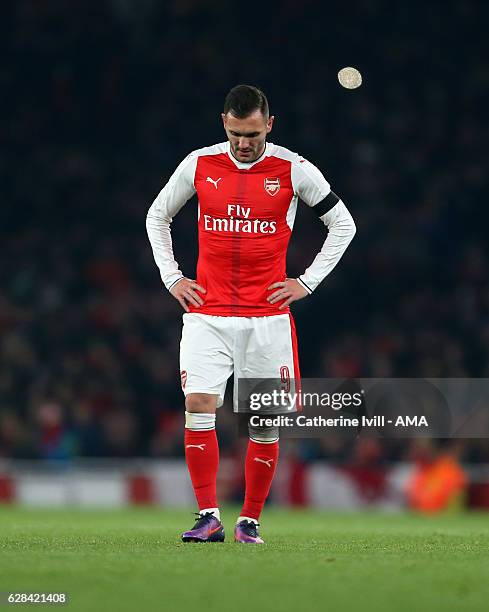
223, 117
270, 123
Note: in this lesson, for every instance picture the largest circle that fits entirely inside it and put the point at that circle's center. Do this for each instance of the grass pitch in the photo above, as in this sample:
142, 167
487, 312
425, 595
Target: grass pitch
132, 559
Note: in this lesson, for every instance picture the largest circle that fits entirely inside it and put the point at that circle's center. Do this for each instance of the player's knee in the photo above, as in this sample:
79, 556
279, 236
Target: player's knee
265, 435
201, 402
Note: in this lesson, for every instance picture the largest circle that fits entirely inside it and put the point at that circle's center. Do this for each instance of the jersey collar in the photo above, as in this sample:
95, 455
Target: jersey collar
247, 165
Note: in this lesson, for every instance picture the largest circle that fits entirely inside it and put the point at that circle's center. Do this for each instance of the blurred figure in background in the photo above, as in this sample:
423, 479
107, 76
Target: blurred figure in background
438, 482
55, 439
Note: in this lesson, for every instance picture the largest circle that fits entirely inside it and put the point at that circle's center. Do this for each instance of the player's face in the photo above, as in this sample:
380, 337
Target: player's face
247, 136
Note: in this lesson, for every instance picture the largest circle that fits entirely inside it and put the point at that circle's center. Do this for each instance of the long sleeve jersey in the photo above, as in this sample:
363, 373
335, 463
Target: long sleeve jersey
246, 214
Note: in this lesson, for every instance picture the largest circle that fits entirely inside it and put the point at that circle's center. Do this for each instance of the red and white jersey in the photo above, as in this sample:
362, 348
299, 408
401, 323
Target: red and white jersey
246, 213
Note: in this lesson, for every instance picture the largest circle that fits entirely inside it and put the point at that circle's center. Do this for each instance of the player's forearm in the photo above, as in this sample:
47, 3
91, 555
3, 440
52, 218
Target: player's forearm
159, 235
178, 190
341, 231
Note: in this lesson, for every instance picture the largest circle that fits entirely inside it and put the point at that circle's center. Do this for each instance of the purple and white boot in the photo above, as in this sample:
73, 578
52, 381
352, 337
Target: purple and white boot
207, 528
246, 532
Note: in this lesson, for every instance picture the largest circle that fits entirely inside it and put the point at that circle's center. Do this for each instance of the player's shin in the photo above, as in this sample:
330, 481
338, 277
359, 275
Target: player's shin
261, 461
202, 457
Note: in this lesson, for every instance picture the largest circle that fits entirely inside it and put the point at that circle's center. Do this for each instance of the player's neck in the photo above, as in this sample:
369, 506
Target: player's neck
262, 153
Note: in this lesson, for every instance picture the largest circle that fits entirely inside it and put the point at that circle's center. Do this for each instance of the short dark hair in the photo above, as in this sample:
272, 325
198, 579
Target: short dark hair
243, 100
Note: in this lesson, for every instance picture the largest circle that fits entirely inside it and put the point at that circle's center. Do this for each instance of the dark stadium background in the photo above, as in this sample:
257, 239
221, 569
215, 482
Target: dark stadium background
101, 100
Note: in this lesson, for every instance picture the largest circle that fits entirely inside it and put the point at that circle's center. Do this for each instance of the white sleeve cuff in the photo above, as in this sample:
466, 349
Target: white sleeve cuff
173, 281
308, 289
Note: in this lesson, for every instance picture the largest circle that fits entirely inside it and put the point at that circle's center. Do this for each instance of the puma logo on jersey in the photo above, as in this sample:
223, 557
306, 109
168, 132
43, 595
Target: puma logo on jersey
201, 446
267, 462
209, 180
183, 376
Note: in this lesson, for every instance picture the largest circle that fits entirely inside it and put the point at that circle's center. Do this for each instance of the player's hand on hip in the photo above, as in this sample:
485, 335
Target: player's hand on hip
185, 291
289, 290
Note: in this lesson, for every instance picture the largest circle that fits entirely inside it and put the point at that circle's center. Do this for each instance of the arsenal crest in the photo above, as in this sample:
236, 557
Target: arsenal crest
272, 186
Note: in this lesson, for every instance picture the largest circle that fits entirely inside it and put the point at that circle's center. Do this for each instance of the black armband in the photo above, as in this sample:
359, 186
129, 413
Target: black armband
326, 205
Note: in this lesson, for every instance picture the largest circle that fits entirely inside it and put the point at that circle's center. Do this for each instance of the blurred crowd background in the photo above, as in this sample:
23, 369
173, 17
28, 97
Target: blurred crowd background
102, 100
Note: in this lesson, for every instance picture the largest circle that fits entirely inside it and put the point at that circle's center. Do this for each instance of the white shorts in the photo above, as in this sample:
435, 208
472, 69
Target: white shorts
213, 348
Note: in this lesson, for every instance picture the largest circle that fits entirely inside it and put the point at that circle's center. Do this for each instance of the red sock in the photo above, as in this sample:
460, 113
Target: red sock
202, 456
261, 461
